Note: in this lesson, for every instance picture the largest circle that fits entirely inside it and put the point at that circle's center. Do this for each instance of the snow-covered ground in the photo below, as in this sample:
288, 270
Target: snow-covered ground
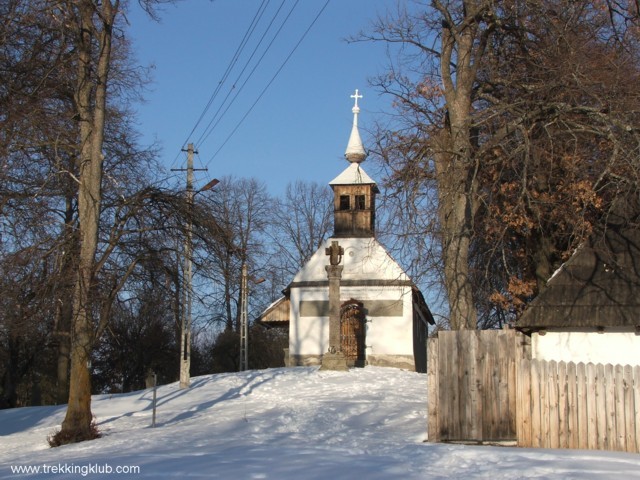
298, 423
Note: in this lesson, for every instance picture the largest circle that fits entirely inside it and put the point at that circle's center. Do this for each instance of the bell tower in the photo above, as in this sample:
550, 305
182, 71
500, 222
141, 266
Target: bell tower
354, 192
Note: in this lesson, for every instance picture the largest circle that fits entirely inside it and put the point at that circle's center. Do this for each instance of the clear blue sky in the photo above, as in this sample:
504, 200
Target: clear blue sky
299, 129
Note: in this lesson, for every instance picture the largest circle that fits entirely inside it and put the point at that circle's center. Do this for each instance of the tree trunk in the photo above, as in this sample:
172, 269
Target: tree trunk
62, 365
9, 398
456, 211
64, 306
542, 250
77, 422
462, 46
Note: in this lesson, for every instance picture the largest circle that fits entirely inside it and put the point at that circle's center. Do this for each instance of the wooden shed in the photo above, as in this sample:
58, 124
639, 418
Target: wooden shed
590, 310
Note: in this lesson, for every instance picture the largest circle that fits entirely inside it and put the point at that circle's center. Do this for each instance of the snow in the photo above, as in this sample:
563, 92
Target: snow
354, 174
297, 423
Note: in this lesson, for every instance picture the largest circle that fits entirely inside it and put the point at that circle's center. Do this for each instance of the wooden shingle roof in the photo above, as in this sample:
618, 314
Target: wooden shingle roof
276, 314
599, 286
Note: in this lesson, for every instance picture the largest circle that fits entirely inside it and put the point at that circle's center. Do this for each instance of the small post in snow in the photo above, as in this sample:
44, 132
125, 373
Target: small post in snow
152, 381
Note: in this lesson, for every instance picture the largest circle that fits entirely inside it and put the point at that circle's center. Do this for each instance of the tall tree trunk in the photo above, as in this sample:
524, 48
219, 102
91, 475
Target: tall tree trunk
63, 324
462, 46
456, 209
64, 306
77, 422
9, 398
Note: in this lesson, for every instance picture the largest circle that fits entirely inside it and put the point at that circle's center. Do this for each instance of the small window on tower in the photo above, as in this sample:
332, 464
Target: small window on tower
360, 202
345, 203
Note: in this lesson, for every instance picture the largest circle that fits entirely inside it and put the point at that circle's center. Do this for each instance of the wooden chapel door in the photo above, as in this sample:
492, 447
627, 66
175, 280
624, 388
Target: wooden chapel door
352, 332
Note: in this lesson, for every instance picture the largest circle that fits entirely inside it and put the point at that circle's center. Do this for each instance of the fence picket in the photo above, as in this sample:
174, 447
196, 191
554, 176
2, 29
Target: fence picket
524, 406
636, 403
610, 406
553, 402
571, 410
432, 390
583, 412
536, 399
629, 410
618, 416
599, 435
563, 409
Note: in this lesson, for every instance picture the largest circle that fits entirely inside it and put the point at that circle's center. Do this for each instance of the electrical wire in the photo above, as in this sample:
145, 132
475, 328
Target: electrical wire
209, 128
249, 31
270, 82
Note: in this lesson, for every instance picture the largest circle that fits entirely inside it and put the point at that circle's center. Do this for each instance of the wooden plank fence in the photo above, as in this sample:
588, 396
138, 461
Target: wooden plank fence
472, 385
568, 405
483, 388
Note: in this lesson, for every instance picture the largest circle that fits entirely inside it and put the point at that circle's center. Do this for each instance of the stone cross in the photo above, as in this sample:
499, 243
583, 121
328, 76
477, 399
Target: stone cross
335, 253
334, 359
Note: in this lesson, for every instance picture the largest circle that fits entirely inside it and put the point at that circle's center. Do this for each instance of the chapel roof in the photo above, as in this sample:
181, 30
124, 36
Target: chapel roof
364, 260
354, 174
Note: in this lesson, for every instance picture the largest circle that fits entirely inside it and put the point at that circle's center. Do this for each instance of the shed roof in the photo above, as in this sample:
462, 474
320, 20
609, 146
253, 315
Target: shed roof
599, 286
276, 314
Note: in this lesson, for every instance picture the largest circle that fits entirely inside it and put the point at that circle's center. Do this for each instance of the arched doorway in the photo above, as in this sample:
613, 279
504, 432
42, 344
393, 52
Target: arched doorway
352, 332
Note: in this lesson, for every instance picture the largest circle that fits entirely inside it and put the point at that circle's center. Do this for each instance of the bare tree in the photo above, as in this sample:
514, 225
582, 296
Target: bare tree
93, 29
242, 209
519, 116
450, 39
303, 219
558, 97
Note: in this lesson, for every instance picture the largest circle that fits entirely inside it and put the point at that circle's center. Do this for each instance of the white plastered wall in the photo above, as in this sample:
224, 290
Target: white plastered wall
385, 335
307, 335
616, 348
392, 335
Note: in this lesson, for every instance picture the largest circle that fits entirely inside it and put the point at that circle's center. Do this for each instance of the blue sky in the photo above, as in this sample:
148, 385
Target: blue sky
299, 128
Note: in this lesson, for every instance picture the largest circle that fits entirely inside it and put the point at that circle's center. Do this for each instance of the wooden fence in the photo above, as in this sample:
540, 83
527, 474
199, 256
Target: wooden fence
568, 405
472, 385
483, 387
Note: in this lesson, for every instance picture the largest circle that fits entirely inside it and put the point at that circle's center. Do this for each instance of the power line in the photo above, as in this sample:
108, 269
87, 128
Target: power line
250, 29
207, 130
270, 81
210, 128
245, 39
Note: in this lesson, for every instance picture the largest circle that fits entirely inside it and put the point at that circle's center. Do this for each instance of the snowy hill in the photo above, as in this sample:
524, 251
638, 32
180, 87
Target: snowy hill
296, 423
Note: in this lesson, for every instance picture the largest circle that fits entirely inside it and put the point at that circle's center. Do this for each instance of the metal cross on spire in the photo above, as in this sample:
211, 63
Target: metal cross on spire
356, 97
355, 150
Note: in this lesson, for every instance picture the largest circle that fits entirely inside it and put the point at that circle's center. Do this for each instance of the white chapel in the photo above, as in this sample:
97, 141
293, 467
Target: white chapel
383, 316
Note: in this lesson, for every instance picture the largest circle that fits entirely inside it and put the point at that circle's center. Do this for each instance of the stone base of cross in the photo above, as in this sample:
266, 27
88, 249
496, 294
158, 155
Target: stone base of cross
334, 361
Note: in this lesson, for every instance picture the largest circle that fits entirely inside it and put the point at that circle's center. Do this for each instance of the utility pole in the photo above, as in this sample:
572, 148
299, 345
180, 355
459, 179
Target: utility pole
244, 313
244, 354
185, 323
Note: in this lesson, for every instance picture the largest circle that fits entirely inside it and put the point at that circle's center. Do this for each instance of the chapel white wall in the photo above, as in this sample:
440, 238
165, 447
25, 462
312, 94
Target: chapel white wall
385, 335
